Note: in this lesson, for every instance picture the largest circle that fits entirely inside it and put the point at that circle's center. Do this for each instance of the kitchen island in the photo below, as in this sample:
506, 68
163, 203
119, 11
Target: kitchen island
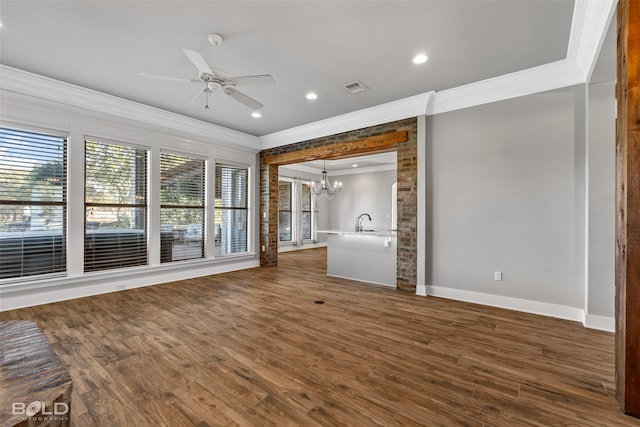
368, 256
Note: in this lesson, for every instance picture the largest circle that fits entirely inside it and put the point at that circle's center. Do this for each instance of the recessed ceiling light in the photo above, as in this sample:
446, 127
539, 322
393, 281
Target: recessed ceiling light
354, 165
420, 59
256, 115
311, 96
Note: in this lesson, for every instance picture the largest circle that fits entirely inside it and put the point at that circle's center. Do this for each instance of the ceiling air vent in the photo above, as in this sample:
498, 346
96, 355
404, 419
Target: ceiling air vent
355, 87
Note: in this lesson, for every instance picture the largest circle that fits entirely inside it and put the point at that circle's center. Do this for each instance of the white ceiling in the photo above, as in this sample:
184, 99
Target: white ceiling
305, 45
345, 166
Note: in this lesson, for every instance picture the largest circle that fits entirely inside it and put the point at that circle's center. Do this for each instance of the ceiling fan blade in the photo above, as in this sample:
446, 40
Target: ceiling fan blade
197, 60
261, 80
242, 98
171, 79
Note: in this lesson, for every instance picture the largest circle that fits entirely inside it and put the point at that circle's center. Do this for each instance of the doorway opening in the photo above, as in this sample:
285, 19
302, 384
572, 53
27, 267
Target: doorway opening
400, 136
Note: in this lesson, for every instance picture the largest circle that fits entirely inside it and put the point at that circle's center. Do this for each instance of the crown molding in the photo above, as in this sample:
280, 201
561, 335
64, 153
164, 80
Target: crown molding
412, 106
590, 21
546, 77
23, 82
589, 25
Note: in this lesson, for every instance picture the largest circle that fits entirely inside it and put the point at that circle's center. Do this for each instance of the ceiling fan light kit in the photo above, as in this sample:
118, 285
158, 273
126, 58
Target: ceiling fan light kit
215, 79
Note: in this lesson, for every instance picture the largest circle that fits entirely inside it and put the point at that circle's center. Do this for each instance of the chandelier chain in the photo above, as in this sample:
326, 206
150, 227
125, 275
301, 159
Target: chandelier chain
324, 188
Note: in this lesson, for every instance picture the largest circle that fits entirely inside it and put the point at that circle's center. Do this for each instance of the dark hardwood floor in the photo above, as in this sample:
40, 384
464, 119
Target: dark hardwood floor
253, 348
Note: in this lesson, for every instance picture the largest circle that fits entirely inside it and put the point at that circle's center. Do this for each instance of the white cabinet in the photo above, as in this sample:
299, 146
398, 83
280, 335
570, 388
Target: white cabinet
365, 256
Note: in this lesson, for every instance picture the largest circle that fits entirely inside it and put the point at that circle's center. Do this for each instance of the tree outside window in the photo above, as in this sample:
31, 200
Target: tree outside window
231, 209
33, 203
182, 211
115, 206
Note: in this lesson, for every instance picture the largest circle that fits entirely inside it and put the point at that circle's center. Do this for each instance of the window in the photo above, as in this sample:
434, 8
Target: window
181, 207
295, 211
231, 209
115, 206
33, 199
306, 211
284, 211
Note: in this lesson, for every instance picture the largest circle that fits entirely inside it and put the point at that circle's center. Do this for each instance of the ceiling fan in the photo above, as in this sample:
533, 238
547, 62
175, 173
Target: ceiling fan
216, 79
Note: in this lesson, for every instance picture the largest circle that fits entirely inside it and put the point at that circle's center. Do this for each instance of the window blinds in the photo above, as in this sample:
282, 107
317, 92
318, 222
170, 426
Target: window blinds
33, 198
182, 201
231, 209
115, 206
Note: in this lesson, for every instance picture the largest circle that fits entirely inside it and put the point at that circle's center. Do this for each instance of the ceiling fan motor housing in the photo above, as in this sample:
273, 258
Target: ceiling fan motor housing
213, 86
214, 82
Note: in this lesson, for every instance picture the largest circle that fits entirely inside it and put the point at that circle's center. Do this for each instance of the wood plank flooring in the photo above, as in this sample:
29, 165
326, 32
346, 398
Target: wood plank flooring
253, 348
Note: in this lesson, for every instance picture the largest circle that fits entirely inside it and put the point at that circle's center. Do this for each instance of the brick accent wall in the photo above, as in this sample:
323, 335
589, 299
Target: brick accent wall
407, 176
268, 215
407, 194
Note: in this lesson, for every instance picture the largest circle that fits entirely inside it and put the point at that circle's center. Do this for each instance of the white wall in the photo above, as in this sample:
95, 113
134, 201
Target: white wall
601, 143
362, 193
507, 194
601, 200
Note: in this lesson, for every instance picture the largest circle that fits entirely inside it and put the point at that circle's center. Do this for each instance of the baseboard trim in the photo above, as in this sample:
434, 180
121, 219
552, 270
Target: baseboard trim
527, 306
64, 289
291, 248
601, 323
421, 290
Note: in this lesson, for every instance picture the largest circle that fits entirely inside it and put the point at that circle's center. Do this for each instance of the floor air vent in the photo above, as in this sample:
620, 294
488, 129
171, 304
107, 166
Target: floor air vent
355, 87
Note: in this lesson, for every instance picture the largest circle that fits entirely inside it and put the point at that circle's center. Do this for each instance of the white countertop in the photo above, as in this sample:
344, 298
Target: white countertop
365, 232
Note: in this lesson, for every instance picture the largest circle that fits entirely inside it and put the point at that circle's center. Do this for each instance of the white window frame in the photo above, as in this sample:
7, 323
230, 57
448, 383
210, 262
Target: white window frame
205, 216
148, 206
294, 213
249, 221
65, 220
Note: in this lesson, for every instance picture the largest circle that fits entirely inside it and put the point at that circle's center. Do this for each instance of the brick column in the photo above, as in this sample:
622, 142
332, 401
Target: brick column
268, 215
407, 176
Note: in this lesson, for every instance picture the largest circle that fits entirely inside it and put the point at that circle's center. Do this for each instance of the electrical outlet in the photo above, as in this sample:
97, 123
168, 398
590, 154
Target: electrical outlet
264, 248
497, 275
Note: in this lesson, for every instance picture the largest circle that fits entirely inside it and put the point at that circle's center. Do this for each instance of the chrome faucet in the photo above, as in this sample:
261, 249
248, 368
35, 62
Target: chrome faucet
359, 221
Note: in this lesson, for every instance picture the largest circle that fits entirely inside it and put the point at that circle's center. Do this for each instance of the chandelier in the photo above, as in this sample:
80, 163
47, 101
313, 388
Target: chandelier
324, 189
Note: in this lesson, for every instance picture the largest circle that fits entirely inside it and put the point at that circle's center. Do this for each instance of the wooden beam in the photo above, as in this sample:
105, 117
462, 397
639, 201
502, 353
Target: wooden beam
628, 209
336, 150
